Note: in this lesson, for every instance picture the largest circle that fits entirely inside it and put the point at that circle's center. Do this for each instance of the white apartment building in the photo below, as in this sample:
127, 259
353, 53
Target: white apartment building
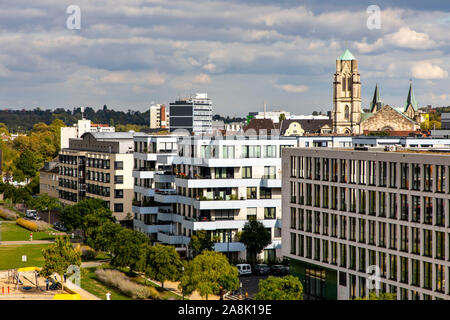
216, 185
159, 116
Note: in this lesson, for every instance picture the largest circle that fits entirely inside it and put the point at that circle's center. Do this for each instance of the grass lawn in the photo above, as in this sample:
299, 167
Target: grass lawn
90, 283
11, 256
13, 232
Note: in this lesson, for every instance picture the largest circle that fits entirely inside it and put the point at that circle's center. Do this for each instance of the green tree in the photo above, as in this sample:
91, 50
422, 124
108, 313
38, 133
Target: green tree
255, 237
87, 213
129, 249
282, 117
44, 202
59, 256
209, 273
29, 163
275, 288
381, 296
200, 242
163, 263
101, 237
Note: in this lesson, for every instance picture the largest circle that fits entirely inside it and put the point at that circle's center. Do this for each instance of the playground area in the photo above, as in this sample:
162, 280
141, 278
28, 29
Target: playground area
27, 283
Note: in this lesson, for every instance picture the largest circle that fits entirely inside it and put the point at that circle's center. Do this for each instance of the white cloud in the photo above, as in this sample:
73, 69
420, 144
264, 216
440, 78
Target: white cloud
427, 70
408, 38
202, 78
292, 88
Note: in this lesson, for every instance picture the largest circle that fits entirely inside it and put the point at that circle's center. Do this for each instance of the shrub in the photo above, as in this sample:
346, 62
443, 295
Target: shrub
32, 226
42, 225
7, 215
118, 280
88, 254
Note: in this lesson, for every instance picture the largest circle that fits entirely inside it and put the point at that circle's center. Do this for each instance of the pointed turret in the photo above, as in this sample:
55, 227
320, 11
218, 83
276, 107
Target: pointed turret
410, 100
376, 103
347, 55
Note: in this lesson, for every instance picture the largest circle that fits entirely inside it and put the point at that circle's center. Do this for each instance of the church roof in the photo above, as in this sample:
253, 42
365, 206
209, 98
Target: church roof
347, 55
410, 100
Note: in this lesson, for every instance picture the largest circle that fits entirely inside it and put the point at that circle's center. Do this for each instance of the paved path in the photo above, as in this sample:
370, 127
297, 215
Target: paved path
85, 295
19, 243
92, 264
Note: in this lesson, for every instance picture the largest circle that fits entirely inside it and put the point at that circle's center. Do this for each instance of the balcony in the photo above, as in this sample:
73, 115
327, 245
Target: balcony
145, 156
152, 228
145, 174
225, 224
145, 191
144, 210
169, 238
229, 246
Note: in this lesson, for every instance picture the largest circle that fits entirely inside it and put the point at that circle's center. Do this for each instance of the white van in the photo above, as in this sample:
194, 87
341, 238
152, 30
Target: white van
32, 214
244, 269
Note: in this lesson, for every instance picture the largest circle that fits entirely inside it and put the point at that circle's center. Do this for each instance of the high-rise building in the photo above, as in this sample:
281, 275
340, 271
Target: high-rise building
159, 117
193, 114
347, 210
80, 128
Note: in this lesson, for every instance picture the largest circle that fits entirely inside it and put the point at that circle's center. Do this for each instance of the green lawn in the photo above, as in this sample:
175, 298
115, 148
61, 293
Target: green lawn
11, 256
92, 285
13, 232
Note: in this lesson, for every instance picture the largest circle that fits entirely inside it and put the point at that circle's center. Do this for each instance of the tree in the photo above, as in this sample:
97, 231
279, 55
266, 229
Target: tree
282, 117
255, 237
381, 296
163, 263
129, 249
200, 242
44, 202
209, 273
28, 163
101, 237
275, 288
87, 213
59, 256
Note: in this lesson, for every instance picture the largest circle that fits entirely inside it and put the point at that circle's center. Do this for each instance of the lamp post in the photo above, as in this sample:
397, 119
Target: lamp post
182, 290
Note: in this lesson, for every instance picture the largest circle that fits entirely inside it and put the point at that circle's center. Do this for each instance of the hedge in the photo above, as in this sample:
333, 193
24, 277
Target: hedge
27, 224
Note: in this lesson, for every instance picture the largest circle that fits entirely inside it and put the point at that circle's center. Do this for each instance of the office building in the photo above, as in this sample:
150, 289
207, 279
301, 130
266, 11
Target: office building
193, 114
346, 210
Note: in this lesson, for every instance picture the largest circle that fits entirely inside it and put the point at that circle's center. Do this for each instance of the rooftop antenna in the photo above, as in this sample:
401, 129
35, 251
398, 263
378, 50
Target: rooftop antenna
82, 113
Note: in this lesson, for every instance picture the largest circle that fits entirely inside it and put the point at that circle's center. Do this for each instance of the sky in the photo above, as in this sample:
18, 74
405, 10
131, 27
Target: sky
128, 53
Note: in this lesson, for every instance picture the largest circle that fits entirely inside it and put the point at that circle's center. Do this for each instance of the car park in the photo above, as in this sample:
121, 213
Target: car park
244, 269
261, 269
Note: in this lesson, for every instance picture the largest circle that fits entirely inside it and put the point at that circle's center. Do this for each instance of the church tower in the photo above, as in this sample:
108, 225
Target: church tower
346, 113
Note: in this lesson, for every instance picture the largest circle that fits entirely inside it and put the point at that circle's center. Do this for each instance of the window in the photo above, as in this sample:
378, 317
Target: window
428, 177
118, 207
393, 174
246, 172
118, 165
427, 275
293, 243
265, 193
440, 245
228, 152
269, 151
428, 210
404, 238
118, 179
415, 265
269, 213
404, 175
269, 172
118, 193
251, 193
293, 218
251, 151
427, 243
440, 178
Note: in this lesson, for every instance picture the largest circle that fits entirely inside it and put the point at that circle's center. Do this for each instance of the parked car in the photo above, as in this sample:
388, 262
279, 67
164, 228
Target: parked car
32, 214
244, 269
279, 269
261, 269
60, 226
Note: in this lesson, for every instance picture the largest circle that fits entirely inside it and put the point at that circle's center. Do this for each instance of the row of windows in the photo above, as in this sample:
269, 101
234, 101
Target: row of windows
382, 204
359, 259
68, 159
364, 172
68, 171
66, 183
381, 234
66, 195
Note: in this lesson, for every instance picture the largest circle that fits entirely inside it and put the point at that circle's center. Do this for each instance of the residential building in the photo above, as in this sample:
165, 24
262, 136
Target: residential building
99, 165
346, 210
217, 186
48, 178
192, 114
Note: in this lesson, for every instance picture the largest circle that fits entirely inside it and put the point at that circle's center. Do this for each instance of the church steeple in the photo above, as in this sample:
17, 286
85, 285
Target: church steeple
376, 103
410, 100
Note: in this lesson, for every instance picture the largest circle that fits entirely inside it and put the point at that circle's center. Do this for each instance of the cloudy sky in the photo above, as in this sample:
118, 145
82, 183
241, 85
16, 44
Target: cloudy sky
128, 53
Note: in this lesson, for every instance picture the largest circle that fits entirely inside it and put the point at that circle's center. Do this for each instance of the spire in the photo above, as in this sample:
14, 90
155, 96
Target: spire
410, 100
347, 55
376, 102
